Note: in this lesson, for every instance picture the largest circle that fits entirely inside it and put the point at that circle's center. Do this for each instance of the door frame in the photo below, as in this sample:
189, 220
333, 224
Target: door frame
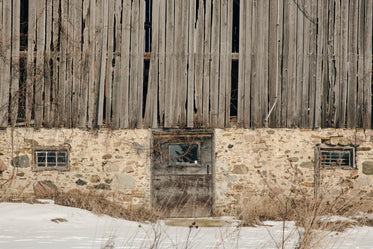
184, 133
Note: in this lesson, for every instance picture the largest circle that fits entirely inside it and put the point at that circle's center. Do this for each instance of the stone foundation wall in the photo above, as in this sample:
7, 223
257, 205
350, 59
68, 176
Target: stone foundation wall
248, 163
257, 163
115, 163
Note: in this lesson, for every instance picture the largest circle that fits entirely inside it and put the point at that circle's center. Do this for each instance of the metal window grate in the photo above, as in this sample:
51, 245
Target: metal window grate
337, 157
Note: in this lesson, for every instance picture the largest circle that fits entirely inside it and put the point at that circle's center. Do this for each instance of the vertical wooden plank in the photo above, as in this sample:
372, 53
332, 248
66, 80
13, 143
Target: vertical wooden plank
162, 59
153, 74
313, 60
116, 67
191, 71
55, 63
367, 121
48, 64
264, 65
223, 63
360, 68
40, 46
215, 52
153, 70
70, 72
306, 68
325, 86
83, 105
272, 61
98, 61
337, 52
78, 63
70, 79
207, 67
299, 69
62, 65
3, 104
229, 64
330, 66
344, 64
285, 68
249, 60
241, 66
116, 94
15, 60
5, 83
91, 63
133, 63
125, 59
199, 63
169, 63
279, 49
257, 61
153, 66
178, 87
140, 64
109, 74
319, 68
183, 94
104, 41
292, 66
352, 65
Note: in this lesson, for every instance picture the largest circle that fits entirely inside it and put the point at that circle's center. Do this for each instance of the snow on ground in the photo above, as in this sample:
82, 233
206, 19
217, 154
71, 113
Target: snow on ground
30, 226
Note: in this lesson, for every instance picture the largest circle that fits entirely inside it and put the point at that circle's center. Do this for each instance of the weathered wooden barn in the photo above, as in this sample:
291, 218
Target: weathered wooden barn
197, 63
164, 93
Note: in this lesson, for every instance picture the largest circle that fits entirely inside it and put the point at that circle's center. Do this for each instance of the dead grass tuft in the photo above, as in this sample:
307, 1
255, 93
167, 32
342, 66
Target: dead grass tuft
312, 216
98, 204
19, 199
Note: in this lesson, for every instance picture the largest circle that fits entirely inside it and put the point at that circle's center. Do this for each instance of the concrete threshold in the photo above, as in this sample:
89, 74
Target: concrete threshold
224, 221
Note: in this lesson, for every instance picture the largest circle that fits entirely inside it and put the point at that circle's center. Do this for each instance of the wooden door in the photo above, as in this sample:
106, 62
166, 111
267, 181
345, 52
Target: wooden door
182, 174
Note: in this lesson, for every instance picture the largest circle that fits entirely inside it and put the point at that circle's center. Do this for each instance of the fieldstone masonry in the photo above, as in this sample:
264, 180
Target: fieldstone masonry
248, 163
114, 163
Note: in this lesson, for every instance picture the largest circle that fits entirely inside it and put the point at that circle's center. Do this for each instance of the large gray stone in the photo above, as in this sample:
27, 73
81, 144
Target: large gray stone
240, 169
124, 182
22, 161
112, 166
307, 165
364, 181
294, 159
368, 167
138, 148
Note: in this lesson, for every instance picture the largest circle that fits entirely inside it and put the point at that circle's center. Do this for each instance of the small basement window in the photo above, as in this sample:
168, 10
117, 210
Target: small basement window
183, 153
336, 157
51, 158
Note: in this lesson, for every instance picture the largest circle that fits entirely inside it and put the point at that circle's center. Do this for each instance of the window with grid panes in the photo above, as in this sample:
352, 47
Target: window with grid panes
51, 158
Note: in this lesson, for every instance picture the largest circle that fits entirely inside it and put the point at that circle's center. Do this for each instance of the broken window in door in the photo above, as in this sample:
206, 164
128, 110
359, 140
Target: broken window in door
183, 153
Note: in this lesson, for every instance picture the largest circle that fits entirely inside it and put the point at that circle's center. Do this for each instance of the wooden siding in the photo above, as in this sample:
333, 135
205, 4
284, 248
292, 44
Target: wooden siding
300, 63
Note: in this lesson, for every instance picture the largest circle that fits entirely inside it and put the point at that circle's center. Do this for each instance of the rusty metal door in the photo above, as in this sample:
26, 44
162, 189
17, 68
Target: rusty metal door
182, 173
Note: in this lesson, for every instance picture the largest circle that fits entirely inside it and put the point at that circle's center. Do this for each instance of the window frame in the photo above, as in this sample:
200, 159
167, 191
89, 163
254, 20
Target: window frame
185, 163
348, 149
48, 150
